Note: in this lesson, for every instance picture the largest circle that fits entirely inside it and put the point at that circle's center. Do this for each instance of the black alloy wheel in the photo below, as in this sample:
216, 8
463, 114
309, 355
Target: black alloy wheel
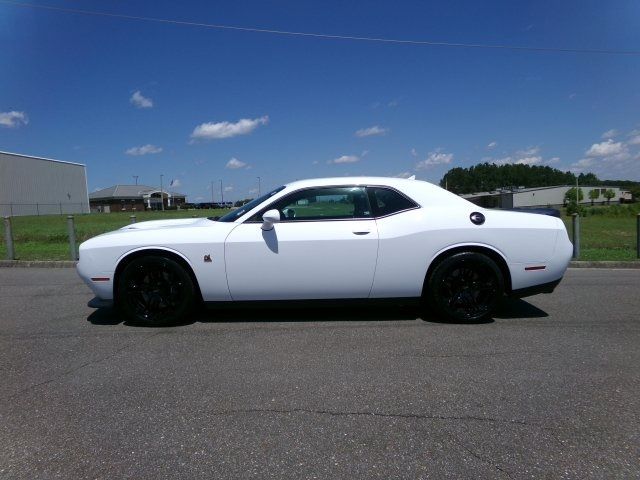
155, 291
465, 287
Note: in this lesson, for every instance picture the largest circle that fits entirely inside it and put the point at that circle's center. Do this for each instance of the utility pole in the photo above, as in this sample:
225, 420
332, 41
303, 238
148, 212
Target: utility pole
221, 194
136, 178
161, 193
212, 199
258, 186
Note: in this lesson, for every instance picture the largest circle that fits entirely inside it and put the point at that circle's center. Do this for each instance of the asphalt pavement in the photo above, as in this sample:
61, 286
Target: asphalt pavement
549, 389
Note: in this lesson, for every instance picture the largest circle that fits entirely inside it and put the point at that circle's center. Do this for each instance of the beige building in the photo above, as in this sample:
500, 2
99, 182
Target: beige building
543, 196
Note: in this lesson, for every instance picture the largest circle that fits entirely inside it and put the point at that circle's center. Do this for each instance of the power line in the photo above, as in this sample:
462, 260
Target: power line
323, 35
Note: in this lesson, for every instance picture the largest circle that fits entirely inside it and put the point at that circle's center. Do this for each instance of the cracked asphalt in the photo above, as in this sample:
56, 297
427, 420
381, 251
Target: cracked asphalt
549, 389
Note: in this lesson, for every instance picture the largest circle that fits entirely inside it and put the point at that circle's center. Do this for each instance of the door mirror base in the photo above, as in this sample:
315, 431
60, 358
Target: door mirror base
269, 218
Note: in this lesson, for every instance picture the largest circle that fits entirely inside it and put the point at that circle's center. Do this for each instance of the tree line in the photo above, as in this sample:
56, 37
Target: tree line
489, 176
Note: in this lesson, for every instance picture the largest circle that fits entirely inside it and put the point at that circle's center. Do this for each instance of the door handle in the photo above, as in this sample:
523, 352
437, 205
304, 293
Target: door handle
366, 232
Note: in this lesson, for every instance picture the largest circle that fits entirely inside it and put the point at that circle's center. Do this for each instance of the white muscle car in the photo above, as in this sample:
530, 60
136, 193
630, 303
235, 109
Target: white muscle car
327, 239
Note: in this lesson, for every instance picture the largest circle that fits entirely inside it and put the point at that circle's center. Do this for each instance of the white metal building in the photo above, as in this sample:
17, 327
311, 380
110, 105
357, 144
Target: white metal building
41, 186
543, 196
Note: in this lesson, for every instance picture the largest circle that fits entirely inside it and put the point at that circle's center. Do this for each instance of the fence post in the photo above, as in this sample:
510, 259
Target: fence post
8, 238
133, 218
576, 236
73, 255
638, 235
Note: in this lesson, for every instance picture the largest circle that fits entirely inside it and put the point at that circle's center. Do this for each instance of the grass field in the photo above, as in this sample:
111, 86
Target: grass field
45, 238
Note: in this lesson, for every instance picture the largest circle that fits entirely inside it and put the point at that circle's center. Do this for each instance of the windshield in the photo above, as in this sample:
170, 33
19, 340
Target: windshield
233, 215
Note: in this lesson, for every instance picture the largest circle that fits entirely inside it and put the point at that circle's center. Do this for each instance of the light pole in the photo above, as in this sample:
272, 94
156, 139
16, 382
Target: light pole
258, 186
221, 194
136, 178
212, 199
161, 193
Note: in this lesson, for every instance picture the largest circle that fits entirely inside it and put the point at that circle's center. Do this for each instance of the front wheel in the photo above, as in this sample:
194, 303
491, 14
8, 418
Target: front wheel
155, 291
465, 287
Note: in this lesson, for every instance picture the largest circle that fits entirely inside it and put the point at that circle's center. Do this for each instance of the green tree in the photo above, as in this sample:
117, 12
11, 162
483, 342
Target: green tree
594, 195
609, 194
570, 196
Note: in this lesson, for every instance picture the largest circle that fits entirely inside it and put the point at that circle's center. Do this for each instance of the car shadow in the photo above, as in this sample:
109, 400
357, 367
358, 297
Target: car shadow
509, 309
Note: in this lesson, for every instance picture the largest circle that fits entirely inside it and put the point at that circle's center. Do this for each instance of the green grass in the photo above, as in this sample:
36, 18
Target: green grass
608, 234
606, 237
45, 237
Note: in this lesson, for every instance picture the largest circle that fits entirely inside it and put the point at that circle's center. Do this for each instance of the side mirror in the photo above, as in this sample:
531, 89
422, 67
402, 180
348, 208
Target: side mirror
269, 218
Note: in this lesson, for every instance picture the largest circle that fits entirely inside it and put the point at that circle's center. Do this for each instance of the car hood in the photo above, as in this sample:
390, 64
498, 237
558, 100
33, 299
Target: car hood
160, 224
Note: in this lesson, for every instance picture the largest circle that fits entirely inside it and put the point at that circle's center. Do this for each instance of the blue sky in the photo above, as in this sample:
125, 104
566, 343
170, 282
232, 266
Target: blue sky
129, 97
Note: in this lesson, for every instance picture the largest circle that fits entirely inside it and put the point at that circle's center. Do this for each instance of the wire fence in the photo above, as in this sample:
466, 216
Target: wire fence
24, 209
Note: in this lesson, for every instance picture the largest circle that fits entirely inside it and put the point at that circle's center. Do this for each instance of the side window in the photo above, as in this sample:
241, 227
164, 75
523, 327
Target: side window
387, 202
331, 203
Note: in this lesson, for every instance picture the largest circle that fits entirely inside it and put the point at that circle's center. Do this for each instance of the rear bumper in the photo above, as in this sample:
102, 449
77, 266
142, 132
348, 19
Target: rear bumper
548, 287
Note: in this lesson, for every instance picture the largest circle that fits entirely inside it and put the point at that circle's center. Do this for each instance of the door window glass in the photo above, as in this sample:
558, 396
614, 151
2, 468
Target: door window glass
331, 203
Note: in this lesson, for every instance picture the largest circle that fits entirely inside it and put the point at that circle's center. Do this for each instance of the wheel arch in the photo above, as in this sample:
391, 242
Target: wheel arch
127, 258
490, 252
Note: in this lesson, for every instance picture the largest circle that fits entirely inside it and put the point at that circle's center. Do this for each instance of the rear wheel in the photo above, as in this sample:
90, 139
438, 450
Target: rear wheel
465, 287
154, 291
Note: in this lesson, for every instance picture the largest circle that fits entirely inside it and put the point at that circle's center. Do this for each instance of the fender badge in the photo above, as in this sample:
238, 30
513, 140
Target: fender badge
476, 218
207, 259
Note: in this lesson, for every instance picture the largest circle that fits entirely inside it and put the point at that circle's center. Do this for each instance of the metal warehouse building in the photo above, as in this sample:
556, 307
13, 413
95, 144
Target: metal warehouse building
543, 196
41, 186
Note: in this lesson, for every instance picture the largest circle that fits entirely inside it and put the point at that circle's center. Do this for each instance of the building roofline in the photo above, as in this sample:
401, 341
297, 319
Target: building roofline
43, 158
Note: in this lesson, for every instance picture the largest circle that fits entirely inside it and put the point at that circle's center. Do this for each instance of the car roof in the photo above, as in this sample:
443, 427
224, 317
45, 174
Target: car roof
421, 191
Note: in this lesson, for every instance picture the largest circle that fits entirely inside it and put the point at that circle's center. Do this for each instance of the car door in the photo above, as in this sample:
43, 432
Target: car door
325, 246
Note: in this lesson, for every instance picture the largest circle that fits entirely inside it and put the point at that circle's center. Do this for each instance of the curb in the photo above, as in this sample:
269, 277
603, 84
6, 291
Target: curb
604, 264
37, 263
70, 264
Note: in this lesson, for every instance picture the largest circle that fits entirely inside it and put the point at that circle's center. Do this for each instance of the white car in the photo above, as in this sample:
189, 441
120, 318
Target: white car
326, 239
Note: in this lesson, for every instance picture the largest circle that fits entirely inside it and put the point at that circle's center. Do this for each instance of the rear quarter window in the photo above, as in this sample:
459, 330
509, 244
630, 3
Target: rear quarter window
386, 201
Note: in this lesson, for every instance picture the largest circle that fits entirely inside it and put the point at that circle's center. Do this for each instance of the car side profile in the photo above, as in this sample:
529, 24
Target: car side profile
335, 238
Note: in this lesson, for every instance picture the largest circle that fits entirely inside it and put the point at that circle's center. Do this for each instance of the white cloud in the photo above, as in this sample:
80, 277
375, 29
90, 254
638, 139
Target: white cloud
143, 150
403, 175
253, 191
528, 151
234, 164
344, 159
414, 152
175, 183
228, 188
605, 149
13, 119
371, 131
572, 96
527, 156
392, 104
582, 165
140, 101
435, 158
213, 131
492, 145
634, 140
610, 133
535, 160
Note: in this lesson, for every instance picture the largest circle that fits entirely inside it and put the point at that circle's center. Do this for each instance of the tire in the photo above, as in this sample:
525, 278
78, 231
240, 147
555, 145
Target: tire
465, 287
155, 291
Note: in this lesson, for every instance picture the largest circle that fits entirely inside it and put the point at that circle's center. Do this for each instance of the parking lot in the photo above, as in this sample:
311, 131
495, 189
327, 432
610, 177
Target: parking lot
549, 389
